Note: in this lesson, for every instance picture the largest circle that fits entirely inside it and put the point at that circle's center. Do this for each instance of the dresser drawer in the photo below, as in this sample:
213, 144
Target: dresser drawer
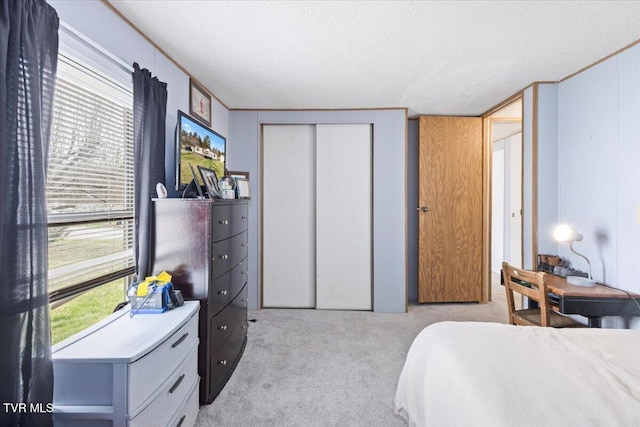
225, 254
223, 361
228, 220
173, 394
226, 287
187, 415
223, 324
148, 373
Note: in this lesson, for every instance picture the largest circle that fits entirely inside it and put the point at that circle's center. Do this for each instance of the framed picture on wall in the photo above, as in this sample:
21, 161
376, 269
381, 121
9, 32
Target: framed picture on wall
199, 102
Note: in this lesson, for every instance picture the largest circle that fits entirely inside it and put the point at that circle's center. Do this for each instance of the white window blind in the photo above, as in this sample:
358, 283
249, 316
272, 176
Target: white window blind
90, 180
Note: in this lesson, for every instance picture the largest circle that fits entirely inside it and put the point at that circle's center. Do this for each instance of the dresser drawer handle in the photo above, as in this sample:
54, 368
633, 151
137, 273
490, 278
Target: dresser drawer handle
223, 222
182, 338
222, 292
225, 256
181, 421
222, 362
177, 384
244, 245
245, 217
222, 327
243, 272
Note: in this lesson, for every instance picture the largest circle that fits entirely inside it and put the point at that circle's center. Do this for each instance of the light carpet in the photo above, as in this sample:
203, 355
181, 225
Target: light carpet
328, 368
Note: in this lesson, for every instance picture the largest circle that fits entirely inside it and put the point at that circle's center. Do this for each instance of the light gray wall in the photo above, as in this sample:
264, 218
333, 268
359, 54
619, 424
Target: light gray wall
389, 201
412, 205
588, 159
598, 172
588, 169
100, 24
244, 155
628, 171
547, 167
527, 178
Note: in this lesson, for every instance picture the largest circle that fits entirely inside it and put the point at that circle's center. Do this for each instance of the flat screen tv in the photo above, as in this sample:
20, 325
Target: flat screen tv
197, 145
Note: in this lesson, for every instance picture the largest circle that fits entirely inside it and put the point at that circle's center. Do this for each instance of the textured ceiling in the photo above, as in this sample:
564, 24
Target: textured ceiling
433, 57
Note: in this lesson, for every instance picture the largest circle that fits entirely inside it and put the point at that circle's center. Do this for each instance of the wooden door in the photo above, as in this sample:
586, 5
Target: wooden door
450, 218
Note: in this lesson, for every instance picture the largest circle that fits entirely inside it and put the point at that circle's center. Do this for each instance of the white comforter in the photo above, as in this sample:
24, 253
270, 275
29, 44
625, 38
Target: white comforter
488, 374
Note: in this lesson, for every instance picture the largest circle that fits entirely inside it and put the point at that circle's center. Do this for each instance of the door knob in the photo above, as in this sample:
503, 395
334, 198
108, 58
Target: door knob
423, 209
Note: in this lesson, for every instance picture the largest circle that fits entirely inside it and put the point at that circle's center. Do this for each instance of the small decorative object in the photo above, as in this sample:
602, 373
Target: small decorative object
242, 188
550, 263
151, 295
227, 186
238, 174
242, 183
210, 180
199, 102
161, 190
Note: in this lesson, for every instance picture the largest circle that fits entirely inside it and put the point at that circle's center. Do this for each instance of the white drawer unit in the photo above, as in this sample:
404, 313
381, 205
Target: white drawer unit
129, 371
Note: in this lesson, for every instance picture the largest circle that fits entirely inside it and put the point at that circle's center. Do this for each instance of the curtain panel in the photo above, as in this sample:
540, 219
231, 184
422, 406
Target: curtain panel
149, 118
28, 63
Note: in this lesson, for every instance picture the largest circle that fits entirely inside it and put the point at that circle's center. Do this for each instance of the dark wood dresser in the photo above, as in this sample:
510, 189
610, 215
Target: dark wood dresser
202, 243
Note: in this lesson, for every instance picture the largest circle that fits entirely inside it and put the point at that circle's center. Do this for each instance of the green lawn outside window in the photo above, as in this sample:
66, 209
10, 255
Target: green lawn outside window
86, 309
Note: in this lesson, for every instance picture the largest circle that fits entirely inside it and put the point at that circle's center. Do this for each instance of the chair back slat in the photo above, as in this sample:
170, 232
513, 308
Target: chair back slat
531, 284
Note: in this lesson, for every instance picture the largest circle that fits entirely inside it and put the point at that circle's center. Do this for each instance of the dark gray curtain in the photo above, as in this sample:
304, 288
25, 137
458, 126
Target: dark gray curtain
28, 63
149, 117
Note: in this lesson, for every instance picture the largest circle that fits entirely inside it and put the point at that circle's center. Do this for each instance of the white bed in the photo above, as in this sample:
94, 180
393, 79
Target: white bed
489, 374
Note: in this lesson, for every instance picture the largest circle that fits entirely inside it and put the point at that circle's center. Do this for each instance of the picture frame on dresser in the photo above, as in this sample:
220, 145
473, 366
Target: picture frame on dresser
210, 180
238, 174
242, 183
242, 188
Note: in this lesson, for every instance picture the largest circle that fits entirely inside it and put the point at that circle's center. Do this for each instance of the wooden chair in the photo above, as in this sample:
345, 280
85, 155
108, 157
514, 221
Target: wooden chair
533, 285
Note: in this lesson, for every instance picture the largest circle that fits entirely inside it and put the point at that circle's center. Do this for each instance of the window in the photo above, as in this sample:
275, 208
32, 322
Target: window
69, 316
90, 181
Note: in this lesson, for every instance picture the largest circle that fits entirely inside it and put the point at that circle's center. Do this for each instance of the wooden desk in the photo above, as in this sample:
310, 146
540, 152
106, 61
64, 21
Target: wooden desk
593, 303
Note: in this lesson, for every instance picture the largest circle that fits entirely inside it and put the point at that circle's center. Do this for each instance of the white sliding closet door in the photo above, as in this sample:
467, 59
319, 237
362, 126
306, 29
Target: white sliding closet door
288, 216
343, 216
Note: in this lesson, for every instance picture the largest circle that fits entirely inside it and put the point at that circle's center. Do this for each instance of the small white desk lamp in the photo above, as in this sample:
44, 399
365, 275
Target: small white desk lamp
566, 233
